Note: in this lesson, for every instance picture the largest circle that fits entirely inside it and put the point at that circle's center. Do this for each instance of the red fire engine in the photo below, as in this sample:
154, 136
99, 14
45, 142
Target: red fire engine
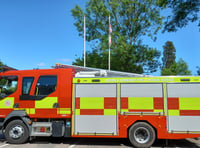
57, 103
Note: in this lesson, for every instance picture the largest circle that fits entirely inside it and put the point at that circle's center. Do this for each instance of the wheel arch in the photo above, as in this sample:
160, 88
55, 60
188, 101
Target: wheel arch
17, 114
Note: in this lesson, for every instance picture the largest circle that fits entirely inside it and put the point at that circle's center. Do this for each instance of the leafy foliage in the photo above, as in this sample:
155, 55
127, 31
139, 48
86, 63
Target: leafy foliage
122, 59
177, 68
169, 71
1, 64
198, 70
169, 65
183, 12
169, 54
2, 81
95, 59
130, 20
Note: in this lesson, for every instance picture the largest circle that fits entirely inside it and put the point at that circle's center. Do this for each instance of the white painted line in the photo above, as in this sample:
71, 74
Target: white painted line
4, 145
71, 146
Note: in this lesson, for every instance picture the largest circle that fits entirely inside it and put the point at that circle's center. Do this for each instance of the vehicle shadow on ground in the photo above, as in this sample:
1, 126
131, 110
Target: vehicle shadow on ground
111, 142
2, 138
106, 142
183, 143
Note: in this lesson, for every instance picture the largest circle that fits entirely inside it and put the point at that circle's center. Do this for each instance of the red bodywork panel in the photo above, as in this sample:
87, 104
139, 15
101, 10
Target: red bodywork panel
158, 122
63, 92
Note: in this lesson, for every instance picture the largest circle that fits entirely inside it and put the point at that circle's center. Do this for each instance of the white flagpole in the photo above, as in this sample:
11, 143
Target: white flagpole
84, 45
109, 38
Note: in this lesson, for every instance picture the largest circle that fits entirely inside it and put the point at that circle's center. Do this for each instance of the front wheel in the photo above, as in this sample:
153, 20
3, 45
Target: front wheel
16, 132
141, 135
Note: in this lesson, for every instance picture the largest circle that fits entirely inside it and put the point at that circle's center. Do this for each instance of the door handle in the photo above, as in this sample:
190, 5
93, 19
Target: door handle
56, 105
16, 105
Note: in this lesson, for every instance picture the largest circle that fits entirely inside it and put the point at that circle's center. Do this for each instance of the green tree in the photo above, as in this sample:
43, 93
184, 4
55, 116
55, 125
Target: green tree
95, 59
169, 64
183, 12
177, 68
169, 54
198, 70
169, 71
130, 20
1, 64
2, 81
182, 68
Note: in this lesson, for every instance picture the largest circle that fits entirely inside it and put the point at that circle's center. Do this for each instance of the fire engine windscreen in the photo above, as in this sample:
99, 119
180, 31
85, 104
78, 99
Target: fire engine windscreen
8, 85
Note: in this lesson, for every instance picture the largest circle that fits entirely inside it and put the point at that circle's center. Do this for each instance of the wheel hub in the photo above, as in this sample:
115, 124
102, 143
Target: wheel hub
16, 132
141, 135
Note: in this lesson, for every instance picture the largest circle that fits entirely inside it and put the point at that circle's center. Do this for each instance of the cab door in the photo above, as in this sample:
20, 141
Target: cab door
39, 95
9, 90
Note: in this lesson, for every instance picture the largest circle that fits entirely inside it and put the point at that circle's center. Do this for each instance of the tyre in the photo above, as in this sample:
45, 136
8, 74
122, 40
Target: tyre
141, 135
16, 132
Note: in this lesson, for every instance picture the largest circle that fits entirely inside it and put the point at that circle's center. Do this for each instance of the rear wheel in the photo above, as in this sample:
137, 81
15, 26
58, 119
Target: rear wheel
16, 132
141, 134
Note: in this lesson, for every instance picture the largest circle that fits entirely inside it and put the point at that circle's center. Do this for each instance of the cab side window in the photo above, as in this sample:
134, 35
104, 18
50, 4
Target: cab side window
8, 85
46, 85
26, 85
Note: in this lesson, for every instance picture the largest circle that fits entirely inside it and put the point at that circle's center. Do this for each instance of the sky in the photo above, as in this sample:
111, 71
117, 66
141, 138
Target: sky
40, 33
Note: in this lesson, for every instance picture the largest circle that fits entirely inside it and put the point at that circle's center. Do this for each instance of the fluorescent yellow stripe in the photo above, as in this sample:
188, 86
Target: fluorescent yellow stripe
124, 110
16, 109
77, 112
64, 111
32, 111
158, 110
140, 103
173, 112
27, 110
91, 103
47, 102
189, 103
110, 112
7, 102
137, 80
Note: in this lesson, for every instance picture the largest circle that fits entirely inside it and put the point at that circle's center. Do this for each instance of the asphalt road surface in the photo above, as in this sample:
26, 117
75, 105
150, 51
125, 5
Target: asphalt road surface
42, 142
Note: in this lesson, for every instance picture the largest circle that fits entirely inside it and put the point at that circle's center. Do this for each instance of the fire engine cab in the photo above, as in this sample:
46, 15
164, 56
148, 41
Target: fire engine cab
55, 102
